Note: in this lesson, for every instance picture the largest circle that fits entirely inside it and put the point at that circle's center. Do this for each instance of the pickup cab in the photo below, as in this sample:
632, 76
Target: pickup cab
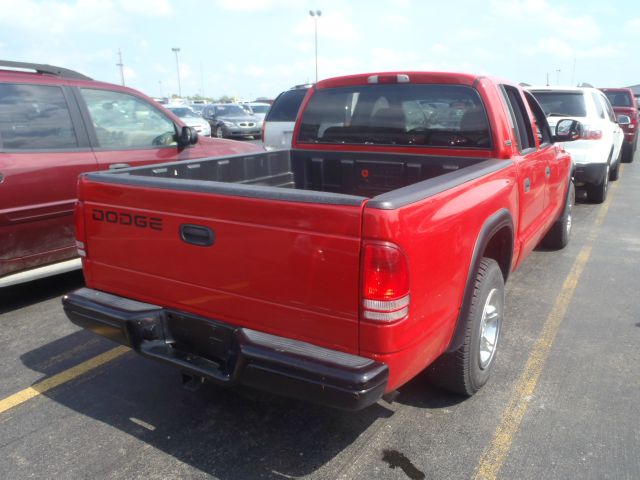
337, 270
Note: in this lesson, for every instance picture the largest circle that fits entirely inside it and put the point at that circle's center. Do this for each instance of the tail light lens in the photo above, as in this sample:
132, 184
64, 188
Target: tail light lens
385, 283
78, 216
591, 133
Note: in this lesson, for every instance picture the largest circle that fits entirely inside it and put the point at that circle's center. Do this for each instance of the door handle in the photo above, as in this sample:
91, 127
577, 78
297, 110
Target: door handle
117, 166
197, 235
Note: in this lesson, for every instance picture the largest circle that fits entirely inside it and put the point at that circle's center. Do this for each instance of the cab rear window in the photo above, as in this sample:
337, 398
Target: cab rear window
404, 115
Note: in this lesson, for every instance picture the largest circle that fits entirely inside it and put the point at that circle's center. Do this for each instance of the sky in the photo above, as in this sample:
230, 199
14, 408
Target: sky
257, 48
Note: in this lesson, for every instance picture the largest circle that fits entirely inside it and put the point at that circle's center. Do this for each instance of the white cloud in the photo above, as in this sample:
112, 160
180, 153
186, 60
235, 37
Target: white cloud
551, 46
129, 74
602, 51
470, 34
334, 25
405, 4
385, 59
254, 71
58, 19
397, 20
152, 8
632, 26
440, 49
541, 14
255, 5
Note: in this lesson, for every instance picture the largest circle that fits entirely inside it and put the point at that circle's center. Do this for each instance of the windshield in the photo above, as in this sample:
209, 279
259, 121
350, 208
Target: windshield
260, 108
619, 99
230, 111
183, 112
413, 115
561, 104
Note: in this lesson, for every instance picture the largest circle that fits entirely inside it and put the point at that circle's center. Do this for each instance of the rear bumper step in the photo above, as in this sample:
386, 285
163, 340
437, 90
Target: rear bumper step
230, 355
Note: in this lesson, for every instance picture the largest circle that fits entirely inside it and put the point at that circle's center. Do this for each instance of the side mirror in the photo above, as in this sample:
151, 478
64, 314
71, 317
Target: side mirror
568, 130
187, 136
624, 120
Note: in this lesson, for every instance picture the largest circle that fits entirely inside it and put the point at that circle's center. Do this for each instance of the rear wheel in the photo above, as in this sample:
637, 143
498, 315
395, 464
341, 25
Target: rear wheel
598, 193
467, 369
558, 236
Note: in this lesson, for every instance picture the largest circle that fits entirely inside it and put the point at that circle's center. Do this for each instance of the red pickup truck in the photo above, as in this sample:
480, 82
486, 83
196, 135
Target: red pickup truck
336, 271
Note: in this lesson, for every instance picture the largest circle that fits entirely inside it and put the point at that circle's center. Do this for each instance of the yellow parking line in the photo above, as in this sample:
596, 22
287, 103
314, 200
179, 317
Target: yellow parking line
495, 455
62, 377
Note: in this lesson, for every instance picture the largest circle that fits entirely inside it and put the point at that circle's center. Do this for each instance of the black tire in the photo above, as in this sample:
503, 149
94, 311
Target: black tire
633, 149
614, 172
598, 193
628, 151
467, 369
219, 132
558, 235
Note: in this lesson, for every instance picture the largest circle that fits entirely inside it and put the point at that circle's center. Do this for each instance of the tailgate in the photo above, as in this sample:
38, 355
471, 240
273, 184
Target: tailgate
286, 267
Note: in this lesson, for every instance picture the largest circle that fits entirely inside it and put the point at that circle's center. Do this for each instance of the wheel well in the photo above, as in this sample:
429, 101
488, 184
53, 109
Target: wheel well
500, 248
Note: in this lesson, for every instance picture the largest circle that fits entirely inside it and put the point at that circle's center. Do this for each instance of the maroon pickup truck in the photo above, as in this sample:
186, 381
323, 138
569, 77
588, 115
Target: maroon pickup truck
336, 271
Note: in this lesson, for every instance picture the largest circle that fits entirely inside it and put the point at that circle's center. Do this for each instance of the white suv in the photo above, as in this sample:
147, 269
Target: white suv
596, 155
277, 129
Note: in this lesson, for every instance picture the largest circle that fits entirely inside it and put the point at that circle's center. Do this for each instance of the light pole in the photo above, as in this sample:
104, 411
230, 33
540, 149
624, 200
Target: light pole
176, 50
315, 16
558, 76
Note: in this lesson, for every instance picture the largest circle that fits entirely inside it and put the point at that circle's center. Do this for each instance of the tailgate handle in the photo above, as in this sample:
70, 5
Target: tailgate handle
197, 235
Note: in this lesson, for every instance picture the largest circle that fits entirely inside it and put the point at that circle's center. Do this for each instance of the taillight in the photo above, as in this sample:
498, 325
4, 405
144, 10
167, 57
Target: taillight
385, 283
591, 134
78, 215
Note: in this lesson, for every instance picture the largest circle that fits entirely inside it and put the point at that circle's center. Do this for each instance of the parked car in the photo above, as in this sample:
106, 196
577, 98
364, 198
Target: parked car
277, 128
597, 154
258, 109
231, 120
55, 124
335, 271
623, 103
197, 109
191, 118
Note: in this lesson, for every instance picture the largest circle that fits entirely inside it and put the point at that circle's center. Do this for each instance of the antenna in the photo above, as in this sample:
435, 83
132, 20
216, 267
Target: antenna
121, 65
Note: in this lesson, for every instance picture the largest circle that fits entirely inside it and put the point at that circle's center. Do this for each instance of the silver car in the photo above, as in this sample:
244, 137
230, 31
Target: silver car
192, 119
231, 120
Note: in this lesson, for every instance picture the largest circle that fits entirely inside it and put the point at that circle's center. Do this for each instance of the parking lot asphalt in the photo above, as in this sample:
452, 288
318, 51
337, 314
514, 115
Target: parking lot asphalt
563, 402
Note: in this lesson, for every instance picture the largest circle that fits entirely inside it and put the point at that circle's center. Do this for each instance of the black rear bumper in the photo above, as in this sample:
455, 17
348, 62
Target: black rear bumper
231, 355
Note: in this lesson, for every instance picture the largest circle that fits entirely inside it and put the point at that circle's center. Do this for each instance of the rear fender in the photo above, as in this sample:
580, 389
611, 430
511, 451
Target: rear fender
495, 240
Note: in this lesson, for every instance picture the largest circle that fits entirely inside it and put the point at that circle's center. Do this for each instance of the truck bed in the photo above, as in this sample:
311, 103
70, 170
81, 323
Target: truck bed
308, 176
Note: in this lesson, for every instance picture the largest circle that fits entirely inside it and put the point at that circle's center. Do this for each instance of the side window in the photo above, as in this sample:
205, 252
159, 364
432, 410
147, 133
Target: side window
610, 113
35, 117
523, 130
542, 126
598, 103
125, 121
